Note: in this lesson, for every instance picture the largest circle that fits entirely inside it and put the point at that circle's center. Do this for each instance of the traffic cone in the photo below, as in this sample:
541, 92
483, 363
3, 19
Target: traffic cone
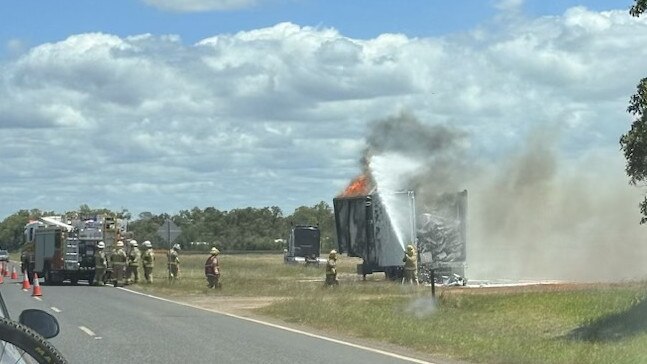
37, 291
25, 282
14, 274
1, 279
2, 269
5, 270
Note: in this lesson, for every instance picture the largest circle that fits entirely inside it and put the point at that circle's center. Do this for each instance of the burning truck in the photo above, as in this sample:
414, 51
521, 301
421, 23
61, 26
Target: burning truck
377, 226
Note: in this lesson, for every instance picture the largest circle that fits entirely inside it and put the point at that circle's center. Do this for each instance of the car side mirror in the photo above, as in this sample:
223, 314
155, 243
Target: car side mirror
41, 322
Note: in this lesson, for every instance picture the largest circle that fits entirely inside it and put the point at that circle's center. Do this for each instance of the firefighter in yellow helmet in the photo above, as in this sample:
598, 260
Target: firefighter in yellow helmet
173, 256
118, 259
148, 261
134, 258
410, 265
100, 264
331, 269
212, 269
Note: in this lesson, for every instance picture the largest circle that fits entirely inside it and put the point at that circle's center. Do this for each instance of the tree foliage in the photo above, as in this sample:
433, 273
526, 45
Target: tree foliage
238, 229
634, 143
638, 8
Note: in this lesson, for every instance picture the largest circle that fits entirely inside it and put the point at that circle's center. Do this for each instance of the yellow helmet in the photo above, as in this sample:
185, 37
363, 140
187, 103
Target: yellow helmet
215, 251
333, 254
410, 247
120, 244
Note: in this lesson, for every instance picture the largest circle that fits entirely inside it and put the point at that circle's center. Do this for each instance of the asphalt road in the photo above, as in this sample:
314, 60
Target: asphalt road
110, 325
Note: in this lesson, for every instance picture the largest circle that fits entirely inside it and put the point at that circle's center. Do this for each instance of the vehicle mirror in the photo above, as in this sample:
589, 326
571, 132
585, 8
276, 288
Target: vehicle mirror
40, 321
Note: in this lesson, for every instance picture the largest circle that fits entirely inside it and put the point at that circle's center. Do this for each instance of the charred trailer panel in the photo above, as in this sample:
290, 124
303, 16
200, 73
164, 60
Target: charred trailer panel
366, 230
442, 235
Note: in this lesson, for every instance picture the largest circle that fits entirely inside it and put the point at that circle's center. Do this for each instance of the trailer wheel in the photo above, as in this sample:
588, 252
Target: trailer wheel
74, 281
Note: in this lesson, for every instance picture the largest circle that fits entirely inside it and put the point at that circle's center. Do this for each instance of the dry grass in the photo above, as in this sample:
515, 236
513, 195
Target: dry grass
564, 323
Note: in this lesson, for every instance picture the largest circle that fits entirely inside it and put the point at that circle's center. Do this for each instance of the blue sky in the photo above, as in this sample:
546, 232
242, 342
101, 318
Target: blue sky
34, 22
150, 107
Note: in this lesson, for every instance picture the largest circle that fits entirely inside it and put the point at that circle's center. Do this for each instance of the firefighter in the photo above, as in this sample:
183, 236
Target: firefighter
173, 262
100, 264
212, 269
118, 259
134, 257
410, 265
148, 261
331, 269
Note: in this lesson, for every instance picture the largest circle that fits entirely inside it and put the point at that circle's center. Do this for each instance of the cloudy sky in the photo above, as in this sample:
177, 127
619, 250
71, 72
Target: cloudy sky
163, 105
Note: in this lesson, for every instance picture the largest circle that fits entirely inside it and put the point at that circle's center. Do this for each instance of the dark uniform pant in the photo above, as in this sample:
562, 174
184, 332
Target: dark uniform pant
410, 275
98, 276
172, 271
213, 281
132, 271
118, 274
148, 274
331, 280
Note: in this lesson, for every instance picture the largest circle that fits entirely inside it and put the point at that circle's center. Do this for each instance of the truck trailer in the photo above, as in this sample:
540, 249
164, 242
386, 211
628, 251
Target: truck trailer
377, 227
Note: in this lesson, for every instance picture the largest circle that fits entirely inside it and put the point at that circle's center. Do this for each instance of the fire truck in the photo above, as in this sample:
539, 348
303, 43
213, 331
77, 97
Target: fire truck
59, 251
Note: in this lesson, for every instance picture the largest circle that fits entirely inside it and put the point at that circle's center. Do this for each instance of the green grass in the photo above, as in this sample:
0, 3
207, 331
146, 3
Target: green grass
591, 324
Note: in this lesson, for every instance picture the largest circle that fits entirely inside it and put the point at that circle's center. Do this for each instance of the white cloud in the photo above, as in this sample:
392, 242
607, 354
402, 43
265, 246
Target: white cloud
202, 5
509, 5
277, 116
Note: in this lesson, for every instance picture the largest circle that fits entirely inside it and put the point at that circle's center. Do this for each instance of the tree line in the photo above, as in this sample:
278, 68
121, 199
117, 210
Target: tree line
246, 228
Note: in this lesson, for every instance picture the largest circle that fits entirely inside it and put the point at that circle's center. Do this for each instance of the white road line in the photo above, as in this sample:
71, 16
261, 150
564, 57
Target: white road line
38, 298
87, 331
55, 309
378, 351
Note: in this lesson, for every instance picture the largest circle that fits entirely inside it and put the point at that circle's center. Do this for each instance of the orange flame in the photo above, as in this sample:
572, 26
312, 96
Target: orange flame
360, 186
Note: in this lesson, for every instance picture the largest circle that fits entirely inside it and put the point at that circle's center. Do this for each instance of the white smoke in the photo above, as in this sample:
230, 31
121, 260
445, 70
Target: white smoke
534, 213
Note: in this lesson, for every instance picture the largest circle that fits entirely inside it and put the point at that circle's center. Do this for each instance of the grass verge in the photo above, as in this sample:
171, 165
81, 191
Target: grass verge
549, 324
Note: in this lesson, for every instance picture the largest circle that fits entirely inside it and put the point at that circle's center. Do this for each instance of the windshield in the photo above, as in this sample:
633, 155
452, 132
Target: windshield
304, 237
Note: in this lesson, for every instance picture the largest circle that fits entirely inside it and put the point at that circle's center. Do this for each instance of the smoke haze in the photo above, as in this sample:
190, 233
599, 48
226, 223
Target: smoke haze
533, 213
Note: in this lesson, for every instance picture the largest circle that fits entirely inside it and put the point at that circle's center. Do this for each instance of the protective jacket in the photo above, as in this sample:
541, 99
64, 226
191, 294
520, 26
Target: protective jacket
148, 258
331, 267
173, 257
100, 259
119, 257
211, 266
134, 257
410, 261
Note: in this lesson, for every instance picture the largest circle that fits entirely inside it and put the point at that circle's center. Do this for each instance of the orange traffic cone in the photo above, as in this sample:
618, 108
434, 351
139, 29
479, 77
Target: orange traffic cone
37, 291
25, 282
2, 269
1, 279
5, 270
14, 274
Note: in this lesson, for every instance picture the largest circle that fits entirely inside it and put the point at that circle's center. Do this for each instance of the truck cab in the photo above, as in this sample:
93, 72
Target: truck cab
303, 245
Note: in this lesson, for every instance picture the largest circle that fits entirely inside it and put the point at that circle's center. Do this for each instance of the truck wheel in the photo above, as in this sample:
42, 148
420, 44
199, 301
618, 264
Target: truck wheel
74, 281
47, 276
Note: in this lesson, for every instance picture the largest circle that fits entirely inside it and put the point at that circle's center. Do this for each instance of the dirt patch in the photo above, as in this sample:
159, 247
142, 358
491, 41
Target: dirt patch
242, 306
